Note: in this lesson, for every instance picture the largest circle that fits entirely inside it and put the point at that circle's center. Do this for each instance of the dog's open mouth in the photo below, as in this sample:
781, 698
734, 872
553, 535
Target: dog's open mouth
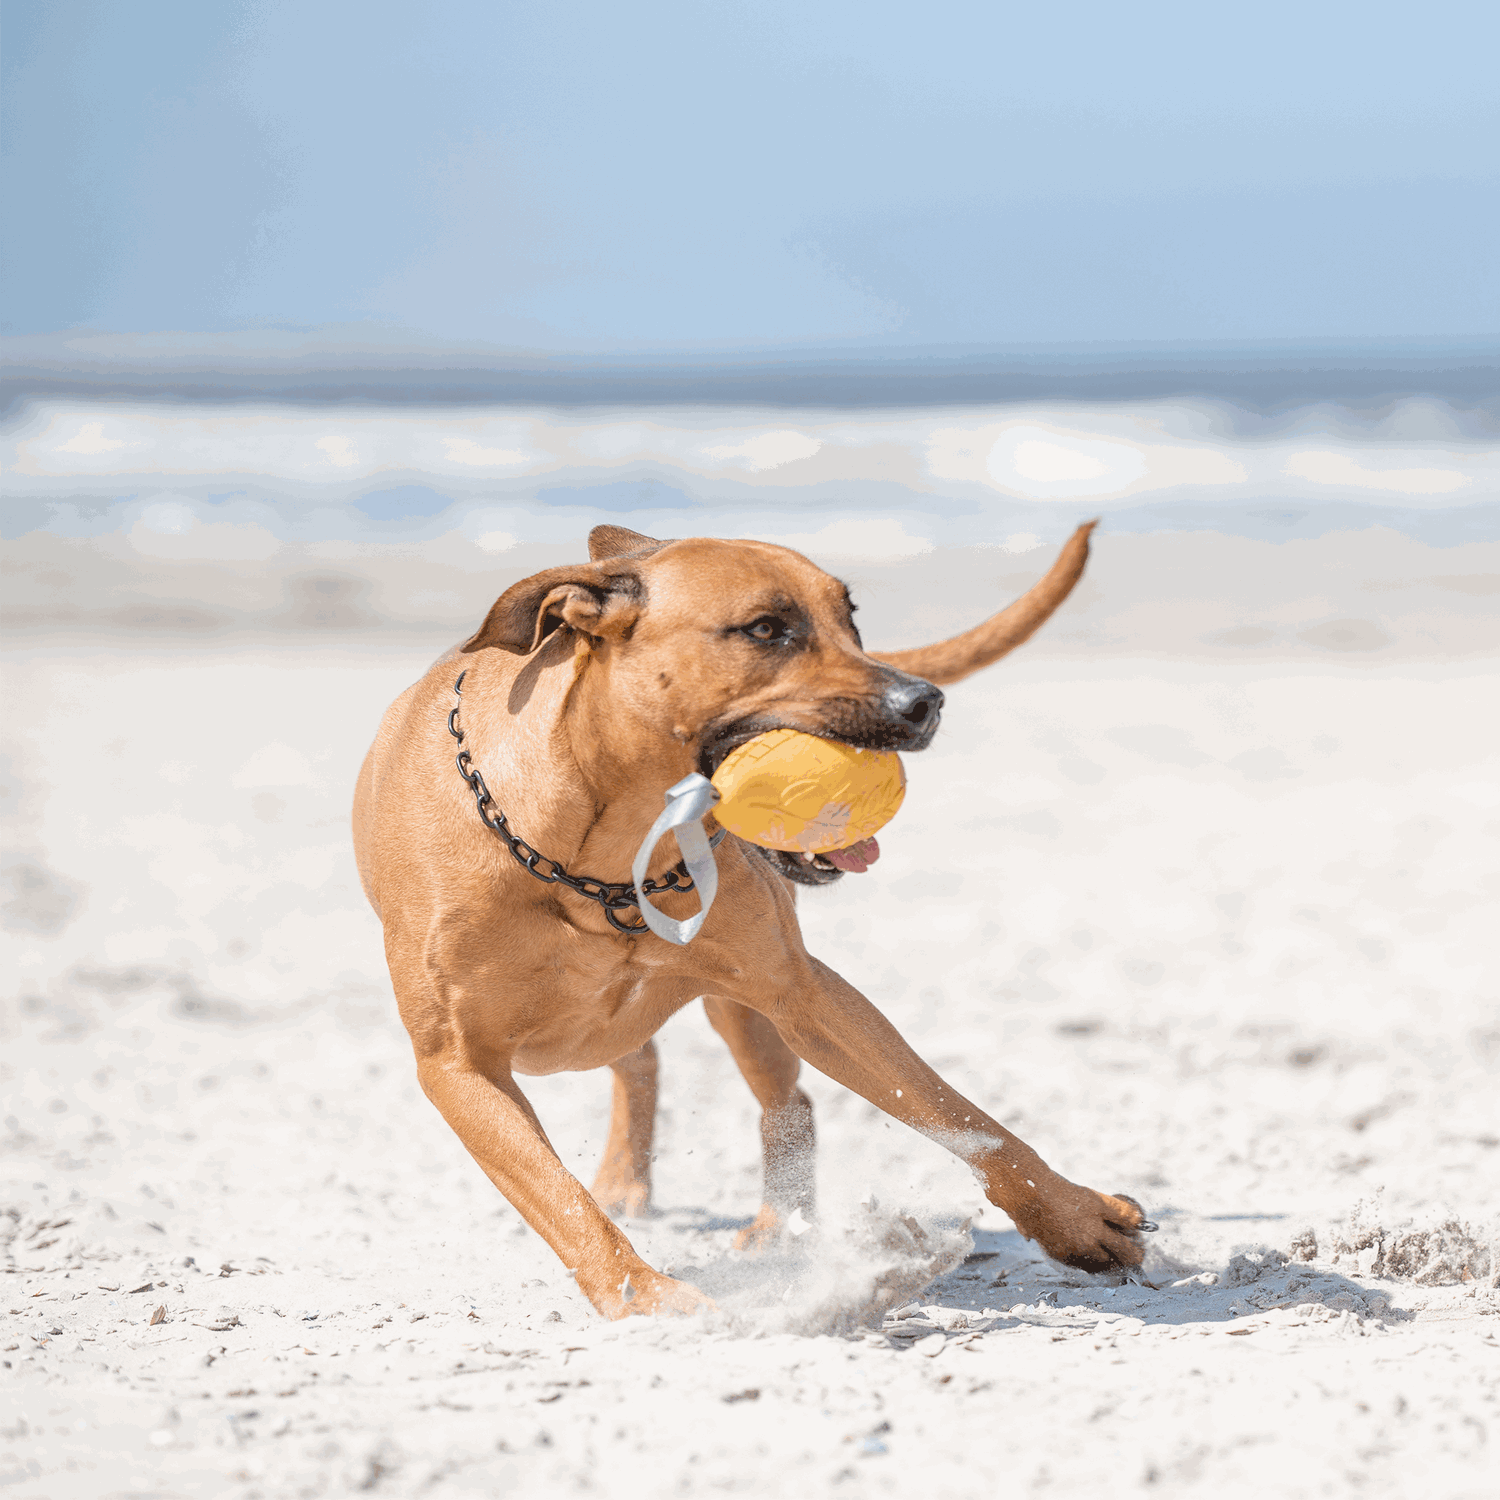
856, 859
821, 869
810, 869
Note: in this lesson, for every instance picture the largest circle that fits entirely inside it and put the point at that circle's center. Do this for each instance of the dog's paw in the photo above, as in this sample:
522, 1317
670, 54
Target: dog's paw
765, 1232
1090, 1231
647, 1293
619, 1190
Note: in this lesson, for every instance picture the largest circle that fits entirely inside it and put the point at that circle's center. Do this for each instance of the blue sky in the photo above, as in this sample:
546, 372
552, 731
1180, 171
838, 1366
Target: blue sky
602, 177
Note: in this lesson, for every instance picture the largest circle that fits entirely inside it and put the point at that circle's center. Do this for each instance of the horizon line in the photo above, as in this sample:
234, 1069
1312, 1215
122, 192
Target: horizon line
302, 367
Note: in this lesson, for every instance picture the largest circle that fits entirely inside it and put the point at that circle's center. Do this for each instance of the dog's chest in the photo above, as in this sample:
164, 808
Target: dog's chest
595, 1013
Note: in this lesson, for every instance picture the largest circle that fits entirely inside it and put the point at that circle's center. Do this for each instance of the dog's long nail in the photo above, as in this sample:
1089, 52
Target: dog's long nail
1145, 1226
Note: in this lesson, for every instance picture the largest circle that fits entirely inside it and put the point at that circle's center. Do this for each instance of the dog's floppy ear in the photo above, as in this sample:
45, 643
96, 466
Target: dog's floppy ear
619, 541
601, 598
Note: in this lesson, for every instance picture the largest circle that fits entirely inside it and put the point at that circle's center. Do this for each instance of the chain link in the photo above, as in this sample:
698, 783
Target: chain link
614, 896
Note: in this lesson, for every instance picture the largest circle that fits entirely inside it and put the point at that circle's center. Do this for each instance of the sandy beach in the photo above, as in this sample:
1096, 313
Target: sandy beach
322, 327
1196, 893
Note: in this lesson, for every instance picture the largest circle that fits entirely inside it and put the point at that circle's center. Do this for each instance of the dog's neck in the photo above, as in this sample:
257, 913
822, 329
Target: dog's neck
626, 763
578, 776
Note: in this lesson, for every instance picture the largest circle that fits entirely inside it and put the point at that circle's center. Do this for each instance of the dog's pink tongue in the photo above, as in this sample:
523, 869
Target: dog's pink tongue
857, 858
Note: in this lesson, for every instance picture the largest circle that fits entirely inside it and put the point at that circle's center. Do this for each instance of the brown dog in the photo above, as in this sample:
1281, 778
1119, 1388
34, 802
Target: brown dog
587, 692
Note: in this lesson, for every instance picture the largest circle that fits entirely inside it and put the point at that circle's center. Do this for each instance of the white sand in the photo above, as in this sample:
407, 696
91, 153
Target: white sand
1218, 933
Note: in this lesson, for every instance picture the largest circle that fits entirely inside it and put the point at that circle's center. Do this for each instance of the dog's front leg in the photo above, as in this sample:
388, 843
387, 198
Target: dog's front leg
497, 1125
835, 1028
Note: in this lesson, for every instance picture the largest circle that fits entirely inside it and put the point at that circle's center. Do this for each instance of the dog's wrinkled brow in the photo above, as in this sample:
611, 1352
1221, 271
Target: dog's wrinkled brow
773, 604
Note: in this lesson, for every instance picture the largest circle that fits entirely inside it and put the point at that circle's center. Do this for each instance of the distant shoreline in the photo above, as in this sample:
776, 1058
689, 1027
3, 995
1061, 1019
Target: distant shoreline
297, 369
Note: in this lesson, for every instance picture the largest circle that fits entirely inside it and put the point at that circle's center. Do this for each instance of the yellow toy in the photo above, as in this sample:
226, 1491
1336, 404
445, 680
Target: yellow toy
793, 791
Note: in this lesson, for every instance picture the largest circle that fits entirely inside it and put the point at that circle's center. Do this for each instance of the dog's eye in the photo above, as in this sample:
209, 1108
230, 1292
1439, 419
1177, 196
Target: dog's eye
767, 628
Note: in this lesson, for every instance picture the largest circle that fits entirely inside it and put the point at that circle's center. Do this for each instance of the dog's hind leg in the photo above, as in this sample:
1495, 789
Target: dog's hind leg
624, 1181
787, 1137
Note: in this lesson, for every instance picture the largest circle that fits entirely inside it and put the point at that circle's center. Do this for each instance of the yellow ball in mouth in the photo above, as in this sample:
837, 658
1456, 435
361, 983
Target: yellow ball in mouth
793, 791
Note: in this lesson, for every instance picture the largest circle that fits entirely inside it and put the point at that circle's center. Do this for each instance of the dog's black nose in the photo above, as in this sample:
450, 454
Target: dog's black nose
915, 701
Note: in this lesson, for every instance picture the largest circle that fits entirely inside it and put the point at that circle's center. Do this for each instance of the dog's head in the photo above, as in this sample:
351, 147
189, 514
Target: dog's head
710, 643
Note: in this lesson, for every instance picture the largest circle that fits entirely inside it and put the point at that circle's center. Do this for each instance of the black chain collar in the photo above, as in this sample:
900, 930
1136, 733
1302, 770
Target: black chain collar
613, 895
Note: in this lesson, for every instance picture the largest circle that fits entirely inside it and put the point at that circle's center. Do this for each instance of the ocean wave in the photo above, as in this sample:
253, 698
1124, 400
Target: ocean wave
238, 482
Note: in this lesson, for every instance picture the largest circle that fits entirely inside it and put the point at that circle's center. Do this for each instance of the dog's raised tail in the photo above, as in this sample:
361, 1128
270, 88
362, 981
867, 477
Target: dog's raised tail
953, 660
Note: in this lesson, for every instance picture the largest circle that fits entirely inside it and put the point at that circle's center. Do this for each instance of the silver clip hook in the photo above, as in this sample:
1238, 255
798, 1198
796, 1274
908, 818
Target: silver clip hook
687, 804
